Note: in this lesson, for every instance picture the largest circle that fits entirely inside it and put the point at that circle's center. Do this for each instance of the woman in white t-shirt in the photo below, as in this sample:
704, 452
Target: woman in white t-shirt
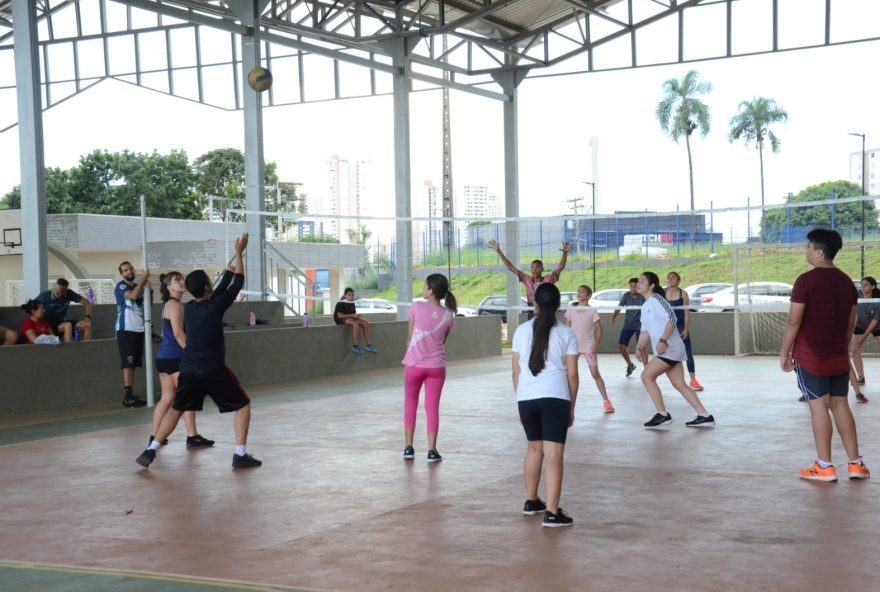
587, 326
659, 325
545, 379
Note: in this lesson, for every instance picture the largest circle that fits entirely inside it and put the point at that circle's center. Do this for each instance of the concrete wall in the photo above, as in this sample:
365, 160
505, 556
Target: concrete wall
104, 316
43, 377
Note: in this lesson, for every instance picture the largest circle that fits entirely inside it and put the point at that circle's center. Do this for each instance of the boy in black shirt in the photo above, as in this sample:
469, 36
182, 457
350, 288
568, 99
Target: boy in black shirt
203, 370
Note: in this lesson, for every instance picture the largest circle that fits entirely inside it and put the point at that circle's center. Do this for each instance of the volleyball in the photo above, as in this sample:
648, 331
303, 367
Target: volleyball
260, 79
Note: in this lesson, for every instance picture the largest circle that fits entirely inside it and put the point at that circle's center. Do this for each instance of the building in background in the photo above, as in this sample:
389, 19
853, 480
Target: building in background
345, 196
872, 170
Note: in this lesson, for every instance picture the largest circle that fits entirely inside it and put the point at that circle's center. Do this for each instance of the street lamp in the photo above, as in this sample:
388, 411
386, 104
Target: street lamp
592, 185
864, 193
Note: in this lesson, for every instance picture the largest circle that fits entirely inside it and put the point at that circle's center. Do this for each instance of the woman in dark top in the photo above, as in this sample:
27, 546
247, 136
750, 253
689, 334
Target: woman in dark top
679, 298
345, 313
867, 324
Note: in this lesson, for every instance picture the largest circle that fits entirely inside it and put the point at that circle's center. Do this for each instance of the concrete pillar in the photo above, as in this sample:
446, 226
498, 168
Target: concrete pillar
35, 259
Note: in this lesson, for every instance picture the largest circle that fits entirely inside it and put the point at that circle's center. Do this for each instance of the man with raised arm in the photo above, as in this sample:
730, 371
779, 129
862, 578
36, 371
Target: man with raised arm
531, 282
203, 370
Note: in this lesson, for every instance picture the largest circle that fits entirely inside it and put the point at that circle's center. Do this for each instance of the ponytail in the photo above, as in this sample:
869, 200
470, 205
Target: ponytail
547, 298
439, 286
164, 281
652, 278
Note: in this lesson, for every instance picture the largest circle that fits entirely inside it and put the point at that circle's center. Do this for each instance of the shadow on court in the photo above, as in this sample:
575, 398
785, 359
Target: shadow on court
335, 507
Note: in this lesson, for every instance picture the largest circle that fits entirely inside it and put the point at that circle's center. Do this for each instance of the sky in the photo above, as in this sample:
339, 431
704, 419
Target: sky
827, 92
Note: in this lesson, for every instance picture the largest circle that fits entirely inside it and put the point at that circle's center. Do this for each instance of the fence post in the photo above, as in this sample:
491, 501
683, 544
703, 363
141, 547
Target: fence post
678, 230
711, 228
541, 239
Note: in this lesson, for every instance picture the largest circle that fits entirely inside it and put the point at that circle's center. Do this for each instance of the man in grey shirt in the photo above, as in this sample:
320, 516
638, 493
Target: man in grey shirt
632, 322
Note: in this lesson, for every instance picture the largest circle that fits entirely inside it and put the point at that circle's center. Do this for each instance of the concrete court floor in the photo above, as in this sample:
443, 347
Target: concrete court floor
335, 508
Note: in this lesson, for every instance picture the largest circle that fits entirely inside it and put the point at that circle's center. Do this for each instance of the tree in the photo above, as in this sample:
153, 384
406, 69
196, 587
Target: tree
360, 236
220, 173
680, 112
847, 217
753, 122
58, 199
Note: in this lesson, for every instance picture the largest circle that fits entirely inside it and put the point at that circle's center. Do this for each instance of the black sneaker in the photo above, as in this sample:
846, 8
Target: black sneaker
658, 421
164, 442
146, 458
434, 456
535, 506
630, 369
701, 421
198, 441
133, 402
409, 453
560, 518
245, 461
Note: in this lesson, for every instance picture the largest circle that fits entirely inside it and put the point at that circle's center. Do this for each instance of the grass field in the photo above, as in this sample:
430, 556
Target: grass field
769, 263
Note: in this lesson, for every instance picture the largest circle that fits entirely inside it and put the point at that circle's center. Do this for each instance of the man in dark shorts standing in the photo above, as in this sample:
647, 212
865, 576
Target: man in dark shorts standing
816, 346
632, 322
56, 302
130, 328
203, 370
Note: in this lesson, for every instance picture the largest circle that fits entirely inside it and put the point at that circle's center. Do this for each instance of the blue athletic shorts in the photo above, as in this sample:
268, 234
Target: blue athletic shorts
627, 334
816, 387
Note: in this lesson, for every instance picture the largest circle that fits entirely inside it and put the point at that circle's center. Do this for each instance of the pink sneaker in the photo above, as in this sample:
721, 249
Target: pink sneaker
609, 408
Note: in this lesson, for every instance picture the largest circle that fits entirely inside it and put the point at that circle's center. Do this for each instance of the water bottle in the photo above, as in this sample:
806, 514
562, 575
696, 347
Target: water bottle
252, 319
76, 334
305, 319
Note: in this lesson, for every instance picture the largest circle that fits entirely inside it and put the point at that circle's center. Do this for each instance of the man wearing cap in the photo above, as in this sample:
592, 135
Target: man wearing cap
56, 302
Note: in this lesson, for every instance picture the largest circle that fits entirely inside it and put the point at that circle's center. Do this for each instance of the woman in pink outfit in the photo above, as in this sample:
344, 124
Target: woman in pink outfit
429, 324
587, 326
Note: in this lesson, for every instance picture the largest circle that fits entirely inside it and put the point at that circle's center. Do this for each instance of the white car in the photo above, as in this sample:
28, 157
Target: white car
374, 305
696, 292
772, 295
461, 311
607, 300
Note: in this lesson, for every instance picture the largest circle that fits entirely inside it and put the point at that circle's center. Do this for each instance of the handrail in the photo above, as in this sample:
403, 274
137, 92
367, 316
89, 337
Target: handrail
283, 301
284, 259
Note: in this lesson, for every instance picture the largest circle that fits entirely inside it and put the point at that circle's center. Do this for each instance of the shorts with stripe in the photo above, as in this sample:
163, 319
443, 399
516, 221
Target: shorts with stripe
220, 384
816, 387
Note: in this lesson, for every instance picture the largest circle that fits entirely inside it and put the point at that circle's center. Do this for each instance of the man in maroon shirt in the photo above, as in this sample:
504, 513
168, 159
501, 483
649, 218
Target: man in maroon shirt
816, 346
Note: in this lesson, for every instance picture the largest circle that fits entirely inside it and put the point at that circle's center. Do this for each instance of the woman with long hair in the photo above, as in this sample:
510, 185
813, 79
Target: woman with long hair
346, 313
172, 287
545, 378
35, 324
430, 322
867, 321
660, 326
679, 300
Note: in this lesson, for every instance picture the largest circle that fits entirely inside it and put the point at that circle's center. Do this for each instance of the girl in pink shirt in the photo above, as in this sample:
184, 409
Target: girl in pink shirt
425, 360
587, 326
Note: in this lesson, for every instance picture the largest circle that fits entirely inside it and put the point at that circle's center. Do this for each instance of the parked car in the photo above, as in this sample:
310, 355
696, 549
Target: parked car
607, 300
374, 305
696, 291
764, 294
497, 305
566, 298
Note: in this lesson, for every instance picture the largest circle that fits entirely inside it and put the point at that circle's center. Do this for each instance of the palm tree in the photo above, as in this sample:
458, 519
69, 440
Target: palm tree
753, 123
680, 112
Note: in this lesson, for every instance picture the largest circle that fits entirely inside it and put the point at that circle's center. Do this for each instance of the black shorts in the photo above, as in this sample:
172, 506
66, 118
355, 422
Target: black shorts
816, 387
545, 419
668, 362
219, 384
167, 365
626, 336
858, 331
131, 348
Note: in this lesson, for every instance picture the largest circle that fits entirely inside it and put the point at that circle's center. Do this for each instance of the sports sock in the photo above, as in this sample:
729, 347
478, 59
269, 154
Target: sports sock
154, 445
857, 461
129, 392
705, 414
824, 463
239, 449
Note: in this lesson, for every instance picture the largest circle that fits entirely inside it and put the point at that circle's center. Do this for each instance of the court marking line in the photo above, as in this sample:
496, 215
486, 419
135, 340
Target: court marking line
160, 577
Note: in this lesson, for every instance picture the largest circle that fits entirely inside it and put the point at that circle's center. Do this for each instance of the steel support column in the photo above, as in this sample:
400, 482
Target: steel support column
255, 193
35, 261
510, 81
402, 181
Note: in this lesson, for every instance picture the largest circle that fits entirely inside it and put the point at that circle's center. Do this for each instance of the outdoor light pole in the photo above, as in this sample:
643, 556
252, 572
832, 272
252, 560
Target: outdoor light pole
593, 233
864, 193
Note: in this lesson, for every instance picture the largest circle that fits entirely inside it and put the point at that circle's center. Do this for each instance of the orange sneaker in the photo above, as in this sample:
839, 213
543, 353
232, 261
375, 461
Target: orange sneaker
609, 408
858, 471
696, 386
816, 473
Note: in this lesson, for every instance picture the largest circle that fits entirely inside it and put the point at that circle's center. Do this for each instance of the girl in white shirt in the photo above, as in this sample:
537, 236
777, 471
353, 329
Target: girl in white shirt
545, 379
659, 325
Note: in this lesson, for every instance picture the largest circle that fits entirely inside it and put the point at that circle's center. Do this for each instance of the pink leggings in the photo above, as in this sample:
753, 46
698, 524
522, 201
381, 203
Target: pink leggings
433, 379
